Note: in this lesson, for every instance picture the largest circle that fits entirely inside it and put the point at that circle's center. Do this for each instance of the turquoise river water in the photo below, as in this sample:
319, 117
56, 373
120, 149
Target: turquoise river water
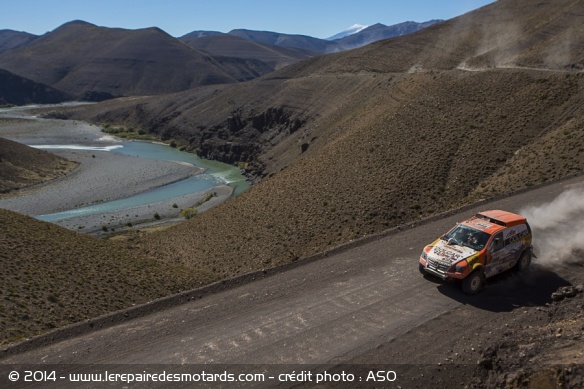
216, 173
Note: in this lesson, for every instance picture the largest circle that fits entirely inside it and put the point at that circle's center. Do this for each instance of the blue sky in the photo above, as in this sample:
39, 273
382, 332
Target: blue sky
317, 18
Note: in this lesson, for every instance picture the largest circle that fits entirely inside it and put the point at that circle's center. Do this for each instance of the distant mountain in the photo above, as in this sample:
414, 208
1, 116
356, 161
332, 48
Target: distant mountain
318, 46
355, 28
234, 46
97, 63
16, 90
82, 58
201, 34
380, 31
10, 39
354, 37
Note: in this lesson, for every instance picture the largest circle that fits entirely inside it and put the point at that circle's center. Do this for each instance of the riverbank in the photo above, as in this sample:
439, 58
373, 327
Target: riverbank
110, 169
101, 176
150, 215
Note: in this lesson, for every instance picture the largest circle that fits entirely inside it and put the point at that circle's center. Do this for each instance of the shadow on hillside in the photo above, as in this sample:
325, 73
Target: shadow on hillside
509, 291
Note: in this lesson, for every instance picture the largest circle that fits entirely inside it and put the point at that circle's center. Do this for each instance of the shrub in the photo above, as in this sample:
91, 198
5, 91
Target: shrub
188, 213
156, 216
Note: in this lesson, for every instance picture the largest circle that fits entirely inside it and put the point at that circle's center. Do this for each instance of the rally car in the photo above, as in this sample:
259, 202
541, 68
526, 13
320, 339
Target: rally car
487, 244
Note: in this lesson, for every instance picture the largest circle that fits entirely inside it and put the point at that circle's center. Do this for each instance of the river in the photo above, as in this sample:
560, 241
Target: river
84, 142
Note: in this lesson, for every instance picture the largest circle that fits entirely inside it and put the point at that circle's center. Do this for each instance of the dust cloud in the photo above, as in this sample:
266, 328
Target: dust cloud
559, 52
558, 229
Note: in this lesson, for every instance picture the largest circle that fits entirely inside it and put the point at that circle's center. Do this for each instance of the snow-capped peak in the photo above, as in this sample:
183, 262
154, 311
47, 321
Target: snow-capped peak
355, 28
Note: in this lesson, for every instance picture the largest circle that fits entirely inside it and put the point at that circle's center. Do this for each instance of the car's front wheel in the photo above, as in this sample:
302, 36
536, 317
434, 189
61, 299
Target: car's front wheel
474, 282
524, 262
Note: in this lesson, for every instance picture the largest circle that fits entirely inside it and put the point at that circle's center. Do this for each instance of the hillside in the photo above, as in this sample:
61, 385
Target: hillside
233, 46
80, 58
400, 157
10, 39
350, 144
52, 277
252, 122
19, 91
22, 166
356, 142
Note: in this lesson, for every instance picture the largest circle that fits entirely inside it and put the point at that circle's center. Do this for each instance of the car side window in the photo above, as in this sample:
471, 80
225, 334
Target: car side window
498, 242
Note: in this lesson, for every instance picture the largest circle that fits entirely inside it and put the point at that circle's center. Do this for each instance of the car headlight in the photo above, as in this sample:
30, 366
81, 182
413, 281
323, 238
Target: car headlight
459, 267
424, 255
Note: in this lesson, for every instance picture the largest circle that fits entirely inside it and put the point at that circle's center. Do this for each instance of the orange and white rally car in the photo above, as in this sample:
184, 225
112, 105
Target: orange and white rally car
478, 248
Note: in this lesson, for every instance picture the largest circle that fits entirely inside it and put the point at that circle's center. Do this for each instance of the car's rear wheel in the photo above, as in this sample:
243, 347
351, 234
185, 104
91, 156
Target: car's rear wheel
524, 262
474, 282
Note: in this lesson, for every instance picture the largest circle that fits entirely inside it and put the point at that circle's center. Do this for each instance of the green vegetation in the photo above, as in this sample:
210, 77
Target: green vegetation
207, 197
140, 134
188, 213
127, 133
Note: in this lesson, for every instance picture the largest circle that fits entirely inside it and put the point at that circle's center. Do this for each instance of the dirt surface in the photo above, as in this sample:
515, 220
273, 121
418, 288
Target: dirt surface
102, 176
361, 309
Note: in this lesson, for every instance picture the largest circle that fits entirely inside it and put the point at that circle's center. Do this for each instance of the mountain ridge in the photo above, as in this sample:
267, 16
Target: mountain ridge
96, 63
355, 28
10, 39
79, 57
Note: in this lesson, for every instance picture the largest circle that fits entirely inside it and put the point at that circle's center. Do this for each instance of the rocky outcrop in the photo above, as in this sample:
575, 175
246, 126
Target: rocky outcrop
243, 137
240, 138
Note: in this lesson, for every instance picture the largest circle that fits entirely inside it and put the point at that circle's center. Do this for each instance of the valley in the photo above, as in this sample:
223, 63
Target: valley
357, 159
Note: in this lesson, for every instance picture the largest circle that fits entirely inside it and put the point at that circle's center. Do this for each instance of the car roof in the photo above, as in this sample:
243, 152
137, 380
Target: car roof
494, 220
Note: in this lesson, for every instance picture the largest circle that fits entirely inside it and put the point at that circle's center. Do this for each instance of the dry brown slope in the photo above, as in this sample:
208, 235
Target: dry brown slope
22, 166
52, 277
446, 136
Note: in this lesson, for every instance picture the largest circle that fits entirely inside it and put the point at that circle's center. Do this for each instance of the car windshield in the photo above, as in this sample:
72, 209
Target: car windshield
467, 236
